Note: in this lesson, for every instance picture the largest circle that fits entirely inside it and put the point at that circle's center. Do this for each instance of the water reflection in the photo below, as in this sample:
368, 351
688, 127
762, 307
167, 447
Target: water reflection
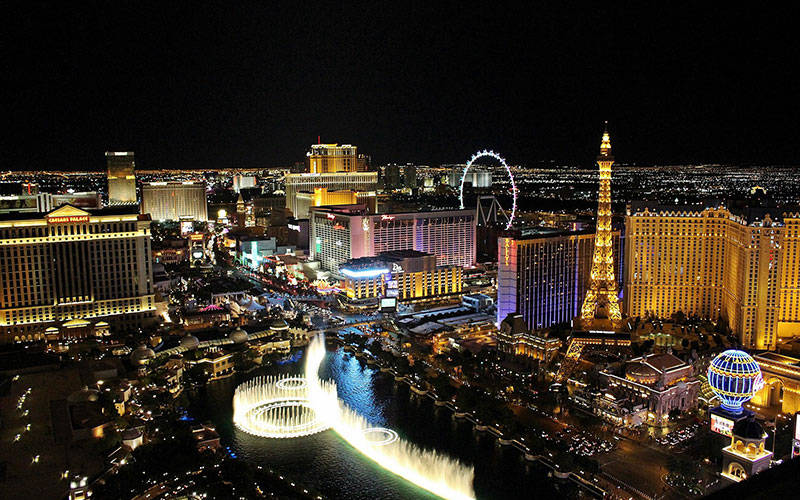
327, 463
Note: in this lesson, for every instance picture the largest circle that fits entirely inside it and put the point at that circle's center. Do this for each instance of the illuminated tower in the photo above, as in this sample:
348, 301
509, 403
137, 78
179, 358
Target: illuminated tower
601, 297
121, 177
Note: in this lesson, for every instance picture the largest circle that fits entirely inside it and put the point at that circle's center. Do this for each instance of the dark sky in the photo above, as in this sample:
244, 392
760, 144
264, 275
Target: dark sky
185, 85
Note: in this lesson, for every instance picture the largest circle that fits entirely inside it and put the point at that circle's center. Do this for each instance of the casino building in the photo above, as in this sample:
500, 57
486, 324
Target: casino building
175, 200
716, 260
341, 233
121, 177
543, 274
71, 273
333, 181
648, 388
409, 275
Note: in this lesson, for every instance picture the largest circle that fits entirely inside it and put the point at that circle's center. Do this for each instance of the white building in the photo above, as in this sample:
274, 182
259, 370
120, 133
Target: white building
347, 232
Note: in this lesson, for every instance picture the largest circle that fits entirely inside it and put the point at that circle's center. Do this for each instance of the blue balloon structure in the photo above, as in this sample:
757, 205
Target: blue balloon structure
734, 377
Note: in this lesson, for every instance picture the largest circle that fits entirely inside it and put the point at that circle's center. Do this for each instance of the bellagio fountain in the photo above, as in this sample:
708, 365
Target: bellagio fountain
287, 406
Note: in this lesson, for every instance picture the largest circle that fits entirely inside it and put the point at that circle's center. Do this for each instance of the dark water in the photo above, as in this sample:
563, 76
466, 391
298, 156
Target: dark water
328, 464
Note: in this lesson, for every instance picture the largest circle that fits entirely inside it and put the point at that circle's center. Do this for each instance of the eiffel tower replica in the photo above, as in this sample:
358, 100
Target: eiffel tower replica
599, 324
600, 310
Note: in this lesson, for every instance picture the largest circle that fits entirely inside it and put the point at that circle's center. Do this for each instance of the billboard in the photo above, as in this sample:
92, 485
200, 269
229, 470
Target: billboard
721, 425
388, 304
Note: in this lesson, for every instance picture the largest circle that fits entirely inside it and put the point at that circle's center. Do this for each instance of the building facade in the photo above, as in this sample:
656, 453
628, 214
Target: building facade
347, 232
544, 274
121, 177
652, 386
308, 182
175, 200
330, 158
65, 272
44, 202
716, 262
513, 337
408, 275
321, 197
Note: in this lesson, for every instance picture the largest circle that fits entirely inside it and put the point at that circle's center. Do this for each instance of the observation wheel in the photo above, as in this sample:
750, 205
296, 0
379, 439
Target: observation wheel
491, 154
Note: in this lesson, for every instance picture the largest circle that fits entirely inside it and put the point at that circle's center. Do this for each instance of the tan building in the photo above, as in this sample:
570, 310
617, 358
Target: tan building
217, 364
121, 177
333, 181
742, 265
781, 382
654, 385
515, 338
330, 158
175, 200
322, 197
65, 272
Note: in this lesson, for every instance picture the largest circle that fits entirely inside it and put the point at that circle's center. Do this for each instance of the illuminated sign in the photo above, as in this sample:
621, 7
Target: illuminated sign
294, 227
387, 217
389, 304
797, 427
330, 216
364, 273
67, 219
721, 425
196, 236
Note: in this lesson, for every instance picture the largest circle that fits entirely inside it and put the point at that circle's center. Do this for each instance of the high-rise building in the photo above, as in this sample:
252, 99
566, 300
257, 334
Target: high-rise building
391, 177
175, 200
70, 273
716, 260
44, 202
476, 177
332, 158
410, 177
121, 177
323, 197
243, 181
544, 274
308, 182
347, 232
601, 306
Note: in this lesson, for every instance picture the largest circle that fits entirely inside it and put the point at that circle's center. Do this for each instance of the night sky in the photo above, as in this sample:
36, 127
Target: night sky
190, 86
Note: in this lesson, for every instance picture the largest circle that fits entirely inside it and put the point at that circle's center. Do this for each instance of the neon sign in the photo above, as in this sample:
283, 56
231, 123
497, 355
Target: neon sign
364, 273
67, 219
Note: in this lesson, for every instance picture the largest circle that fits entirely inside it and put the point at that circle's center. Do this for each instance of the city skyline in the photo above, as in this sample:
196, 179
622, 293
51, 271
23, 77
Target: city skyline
250, 87
284, 250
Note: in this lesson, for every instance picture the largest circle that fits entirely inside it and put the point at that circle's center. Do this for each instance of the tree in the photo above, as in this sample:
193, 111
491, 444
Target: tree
443, 388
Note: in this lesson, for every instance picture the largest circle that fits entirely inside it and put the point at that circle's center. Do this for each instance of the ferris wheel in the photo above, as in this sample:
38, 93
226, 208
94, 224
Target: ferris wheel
491, 154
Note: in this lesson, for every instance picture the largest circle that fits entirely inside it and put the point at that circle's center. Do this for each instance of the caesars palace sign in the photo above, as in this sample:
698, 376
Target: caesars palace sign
67, 218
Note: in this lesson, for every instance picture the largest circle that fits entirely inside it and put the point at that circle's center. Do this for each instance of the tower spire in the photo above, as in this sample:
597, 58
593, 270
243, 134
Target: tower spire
600, 303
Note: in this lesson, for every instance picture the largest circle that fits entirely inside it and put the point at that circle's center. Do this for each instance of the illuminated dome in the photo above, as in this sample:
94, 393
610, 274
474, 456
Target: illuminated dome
238, 336
142, 355
734, 377
190, 342
642, 373
278, 325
